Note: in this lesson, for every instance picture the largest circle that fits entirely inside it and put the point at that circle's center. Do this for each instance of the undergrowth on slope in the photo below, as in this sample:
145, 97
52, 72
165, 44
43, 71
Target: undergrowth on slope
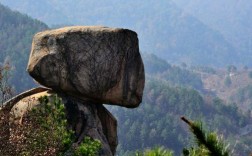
43, 131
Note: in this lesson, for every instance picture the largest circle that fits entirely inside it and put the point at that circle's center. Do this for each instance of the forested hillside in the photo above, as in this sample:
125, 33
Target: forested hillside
231, 86
16, 32
173, 75
162, 27
157, 120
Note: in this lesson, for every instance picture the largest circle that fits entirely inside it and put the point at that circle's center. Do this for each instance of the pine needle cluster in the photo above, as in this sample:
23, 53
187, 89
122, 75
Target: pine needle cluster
208, 142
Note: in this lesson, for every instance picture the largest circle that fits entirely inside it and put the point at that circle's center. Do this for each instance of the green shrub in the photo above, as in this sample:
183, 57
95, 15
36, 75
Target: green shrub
88, 147
45, 129
157, 151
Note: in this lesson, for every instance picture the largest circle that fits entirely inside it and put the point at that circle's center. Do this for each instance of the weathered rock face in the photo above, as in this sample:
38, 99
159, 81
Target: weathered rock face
84, 117
96, 63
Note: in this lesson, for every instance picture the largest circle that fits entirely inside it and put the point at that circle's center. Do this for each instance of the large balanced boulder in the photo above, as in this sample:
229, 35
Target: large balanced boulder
97, 63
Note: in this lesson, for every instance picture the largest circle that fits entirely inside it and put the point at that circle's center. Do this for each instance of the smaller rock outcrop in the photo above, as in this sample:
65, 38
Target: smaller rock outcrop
84, 118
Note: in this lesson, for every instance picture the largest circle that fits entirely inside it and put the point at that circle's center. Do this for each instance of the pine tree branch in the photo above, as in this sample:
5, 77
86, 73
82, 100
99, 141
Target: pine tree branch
208, 140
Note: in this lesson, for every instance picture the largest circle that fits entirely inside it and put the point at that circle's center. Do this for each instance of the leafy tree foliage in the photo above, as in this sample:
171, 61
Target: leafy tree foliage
88, 147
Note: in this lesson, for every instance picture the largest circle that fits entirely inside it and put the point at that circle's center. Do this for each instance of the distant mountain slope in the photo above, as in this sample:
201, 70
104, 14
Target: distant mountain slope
232, 18
157, 120
231, 86
38, 9
234, 87
162, 27
16, 32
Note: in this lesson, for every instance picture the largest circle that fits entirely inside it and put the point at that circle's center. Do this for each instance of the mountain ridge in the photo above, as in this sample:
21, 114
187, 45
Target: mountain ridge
231, 18
162, 27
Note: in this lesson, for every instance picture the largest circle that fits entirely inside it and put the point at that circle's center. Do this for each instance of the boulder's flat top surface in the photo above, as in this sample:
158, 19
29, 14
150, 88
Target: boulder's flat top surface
72, 29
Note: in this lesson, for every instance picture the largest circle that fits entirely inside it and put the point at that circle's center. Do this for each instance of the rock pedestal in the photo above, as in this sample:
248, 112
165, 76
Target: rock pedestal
84, 117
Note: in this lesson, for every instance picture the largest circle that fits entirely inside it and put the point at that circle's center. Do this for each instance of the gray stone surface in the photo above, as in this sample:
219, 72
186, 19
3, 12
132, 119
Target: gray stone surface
96, 63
